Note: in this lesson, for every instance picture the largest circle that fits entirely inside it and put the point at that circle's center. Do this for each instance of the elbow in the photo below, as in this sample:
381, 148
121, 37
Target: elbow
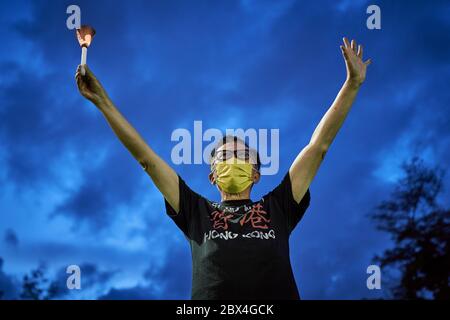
319, 149
319, 144
145, 164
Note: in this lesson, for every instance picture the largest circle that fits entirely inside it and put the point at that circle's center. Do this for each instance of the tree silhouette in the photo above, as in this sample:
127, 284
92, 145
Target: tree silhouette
35, 285
418, 266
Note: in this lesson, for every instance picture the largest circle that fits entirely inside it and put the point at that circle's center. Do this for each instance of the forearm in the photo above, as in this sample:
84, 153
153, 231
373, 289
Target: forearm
333, 119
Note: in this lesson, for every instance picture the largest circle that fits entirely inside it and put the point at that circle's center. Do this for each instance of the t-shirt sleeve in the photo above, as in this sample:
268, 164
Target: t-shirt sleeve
188, 208
292, 210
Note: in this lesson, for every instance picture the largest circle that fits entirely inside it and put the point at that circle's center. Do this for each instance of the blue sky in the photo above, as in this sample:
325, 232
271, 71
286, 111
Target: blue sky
71, 194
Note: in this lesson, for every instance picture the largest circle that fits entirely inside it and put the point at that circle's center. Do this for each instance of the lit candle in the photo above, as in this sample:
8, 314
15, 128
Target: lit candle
84, 36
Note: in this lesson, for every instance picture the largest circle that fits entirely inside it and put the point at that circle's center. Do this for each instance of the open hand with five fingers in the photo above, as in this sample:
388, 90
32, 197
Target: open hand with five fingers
356, 68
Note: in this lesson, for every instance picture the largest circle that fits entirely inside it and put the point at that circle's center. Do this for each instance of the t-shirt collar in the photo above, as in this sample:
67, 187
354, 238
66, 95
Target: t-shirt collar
235, 203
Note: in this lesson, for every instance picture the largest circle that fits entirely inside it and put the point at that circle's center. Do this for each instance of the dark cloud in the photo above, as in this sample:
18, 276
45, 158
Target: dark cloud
134, 293
175, 276
9, 289
170, 280
91, 276
11, 238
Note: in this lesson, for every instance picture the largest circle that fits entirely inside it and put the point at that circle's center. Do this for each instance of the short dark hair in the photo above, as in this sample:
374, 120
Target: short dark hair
230, 138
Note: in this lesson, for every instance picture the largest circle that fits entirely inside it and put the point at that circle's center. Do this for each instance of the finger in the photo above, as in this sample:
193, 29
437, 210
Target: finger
344, 52
346, 43
78, 69
353, 45
80, 83
81, 70
360, 51
368, 62
79, 77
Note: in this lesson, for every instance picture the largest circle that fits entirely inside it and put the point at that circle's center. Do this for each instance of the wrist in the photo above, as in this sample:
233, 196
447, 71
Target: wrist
353, 83
104, 104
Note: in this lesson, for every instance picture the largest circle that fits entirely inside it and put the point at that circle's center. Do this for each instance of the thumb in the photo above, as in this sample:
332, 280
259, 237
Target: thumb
88, 71
88, 74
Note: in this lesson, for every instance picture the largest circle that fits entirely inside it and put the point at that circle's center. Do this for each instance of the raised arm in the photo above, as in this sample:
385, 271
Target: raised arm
164, 177
307, 163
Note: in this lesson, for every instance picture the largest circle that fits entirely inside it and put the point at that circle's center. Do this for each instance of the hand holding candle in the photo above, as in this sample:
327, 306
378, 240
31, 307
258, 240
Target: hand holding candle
90, 87
84, 36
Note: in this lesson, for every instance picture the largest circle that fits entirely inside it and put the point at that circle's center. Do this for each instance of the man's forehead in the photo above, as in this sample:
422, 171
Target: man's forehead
232, 145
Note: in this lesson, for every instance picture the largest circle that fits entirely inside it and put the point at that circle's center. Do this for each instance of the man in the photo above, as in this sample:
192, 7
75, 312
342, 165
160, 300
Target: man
240, 248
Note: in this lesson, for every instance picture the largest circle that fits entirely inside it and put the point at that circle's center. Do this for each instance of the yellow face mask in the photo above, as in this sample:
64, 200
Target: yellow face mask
234, 175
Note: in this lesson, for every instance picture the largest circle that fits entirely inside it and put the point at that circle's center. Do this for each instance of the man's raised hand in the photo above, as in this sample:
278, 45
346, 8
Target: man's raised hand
356, 68
90, 87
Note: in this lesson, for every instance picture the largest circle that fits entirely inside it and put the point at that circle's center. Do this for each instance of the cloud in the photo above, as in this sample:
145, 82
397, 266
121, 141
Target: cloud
174, 278
8, 285
134, 293
11, 238
93, 282
168, 280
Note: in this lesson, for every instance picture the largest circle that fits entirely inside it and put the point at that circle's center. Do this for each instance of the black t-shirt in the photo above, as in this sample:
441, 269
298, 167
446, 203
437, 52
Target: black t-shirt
240, 248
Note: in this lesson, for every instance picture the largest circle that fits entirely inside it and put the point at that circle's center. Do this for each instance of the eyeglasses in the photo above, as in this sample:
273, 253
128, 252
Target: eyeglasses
227, 154
223, 155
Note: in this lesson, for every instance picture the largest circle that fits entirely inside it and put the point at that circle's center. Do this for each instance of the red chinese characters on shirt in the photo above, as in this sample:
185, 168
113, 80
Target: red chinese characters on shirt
256, 216
220, 219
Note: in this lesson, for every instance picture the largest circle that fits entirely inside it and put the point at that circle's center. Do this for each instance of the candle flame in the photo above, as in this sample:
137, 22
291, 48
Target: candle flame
85, 35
